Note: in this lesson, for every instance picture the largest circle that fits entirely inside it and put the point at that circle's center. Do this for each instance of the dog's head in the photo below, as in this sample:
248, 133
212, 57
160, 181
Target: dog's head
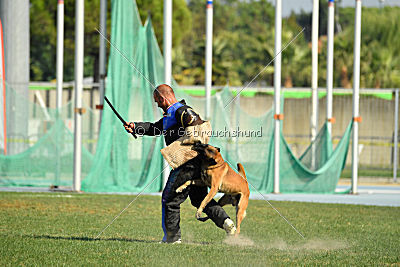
206, 151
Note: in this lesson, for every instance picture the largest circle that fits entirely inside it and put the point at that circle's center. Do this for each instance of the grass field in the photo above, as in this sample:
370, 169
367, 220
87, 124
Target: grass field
53, 228
378, 172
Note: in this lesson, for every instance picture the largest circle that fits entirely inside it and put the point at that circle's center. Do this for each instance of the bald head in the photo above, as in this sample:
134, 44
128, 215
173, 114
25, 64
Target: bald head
164, 96
164, 90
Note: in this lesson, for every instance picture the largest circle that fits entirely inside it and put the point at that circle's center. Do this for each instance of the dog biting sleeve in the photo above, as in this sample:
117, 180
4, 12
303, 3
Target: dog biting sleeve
180, 151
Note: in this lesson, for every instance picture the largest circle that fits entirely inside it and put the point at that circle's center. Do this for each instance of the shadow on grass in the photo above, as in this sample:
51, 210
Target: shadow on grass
84, 238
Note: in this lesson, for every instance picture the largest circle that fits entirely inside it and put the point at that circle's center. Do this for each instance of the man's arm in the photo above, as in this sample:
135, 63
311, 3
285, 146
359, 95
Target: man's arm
145, 128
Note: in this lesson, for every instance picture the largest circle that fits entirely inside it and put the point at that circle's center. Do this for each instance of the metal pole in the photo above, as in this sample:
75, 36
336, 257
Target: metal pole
42, 105
167, 40
60, 62
356, 96
14, 17
60, 52
277, 90
208, 70
79, 34
314, 78
167, 60
329, 66
237, 124
3, 94
102, 54
396, 132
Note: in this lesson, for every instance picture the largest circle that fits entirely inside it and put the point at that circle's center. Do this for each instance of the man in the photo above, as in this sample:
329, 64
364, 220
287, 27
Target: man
177, 116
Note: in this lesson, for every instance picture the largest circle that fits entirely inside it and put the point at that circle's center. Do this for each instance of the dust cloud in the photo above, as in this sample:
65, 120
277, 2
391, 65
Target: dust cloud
239, 240
320, 244
280, 244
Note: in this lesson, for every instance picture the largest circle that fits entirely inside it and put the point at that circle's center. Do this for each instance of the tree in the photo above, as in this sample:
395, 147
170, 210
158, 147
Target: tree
243, 41
43, 32
43, 36
181, 18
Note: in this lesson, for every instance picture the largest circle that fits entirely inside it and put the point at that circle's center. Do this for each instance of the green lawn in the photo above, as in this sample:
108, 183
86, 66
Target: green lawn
369, 172
49, 229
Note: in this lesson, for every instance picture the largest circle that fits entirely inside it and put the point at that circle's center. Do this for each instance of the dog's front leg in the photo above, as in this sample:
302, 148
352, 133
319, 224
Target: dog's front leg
190, 182
206, 200
184, 186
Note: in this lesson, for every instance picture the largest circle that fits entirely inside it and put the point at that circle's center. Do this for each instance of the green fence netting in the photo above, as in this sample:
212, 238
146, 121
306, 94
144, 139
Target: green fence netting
40, 144
115, 162
122, 163
318, 169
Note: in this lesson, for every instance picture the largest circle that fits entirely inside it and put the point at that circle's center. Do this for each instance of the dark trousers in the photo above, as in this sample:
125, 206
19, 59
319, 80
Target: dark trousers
171, 202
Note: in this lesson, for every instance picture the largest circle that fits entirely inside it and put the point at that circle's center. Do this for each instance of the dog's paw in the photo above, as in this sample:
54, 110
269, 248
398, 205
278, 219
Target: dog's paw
203, 219
198, 214
182, 187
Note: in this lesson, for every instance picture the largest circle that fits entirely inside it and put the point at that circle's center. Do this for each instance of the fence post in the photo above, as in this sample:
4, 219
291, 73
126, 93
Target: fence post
396, 132
277, 91
356, 96
79, 52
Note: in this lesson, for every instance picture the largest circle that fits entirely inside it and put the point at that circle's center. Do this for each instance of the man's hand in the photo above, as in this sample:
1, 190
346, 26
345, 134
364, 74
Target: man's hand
129, 127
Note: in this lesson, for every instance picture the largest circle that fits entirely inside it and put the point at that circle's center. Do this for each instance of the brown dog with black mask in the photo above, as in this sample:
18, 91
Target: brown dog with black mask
220, 177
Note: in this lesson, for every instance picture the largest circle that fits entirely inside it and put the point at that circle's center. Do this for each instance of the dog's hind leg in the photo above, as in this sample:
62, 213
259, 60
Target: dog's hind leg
241, 210
225, 200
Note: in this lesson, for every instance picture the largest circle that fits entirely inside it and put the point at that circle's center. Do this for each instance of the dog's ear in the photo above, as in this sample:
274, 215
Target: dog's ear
219, 150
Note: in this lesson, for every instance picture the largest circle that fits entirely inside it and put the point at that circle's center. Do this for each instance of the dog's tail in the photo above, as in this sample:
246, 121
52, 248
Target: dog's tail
241, 170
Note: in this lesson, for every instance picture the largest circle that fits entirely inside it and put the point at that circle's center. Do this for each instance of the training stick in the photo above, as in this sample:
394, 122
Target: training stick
119, 116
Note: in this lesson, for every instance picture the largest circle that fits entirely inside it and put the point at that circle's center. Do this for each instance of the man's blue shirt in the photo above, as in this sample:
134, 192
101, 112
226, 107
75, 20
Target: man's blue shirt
169, 119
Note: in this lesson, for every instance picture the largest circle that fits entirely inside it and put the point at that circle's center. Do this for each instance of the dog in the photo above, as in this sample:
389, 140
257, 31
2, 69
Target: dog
219, 176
